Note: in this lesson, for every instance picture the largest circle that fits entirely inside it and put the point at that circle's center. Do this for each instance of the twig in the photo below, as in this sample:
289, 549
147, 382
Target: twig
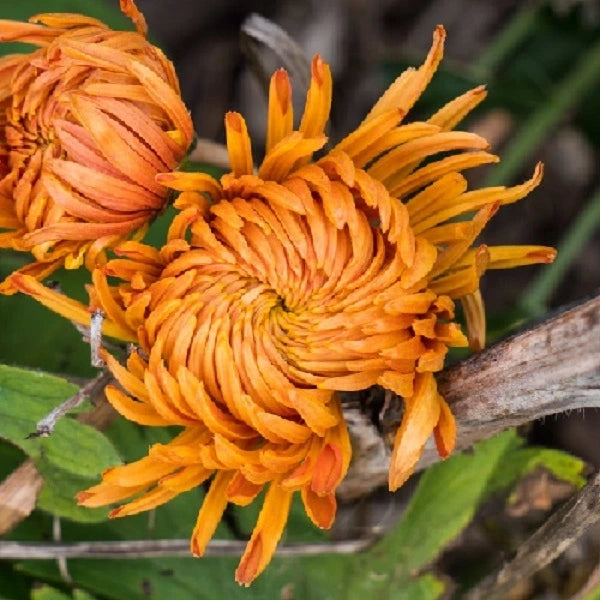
156, 548
45, 426
211, 153
96, 321
61, 561
557, 534
551, 368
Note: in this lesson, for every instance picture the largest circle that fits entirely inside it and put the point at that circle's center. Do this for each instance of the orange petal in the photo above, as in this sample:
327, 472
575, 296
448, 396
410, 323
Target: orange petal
312, 407
238, 144
131, 10
474, 310
456, 110
407, 88
148, 501
191, 182
145, 471
211, 512
507, 257
320, 509
318, 99
241, 491
265, 537
138, 412
68, 308
281, 112
445, 430
421, 415
103, 494
328, 470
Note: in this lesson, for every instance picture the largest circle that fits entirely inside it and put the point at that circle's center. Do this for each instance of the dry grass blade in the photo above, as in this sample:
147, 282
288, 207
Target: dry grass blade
257, 31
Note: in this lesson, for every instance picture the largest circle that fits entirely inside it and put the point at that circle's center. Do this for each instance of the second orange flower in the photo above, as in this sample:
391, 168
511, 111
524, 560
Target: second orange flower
86, 122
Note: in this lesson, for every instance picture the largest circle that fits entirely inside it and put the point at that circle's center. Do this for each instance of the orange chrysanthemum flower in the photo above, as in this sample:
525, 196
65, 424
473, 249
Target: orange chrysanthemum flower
86, 123
290, 285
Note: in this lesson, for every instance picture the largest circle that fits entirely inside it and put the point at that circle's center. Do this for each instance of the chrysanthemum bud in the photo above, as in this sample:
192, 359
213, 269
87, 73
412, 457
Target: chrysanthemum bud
86, 122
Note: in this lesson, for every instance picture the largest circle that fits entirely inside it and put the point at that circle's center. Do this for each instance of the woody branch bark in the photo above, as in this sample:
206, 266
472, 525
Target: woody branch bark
550, 368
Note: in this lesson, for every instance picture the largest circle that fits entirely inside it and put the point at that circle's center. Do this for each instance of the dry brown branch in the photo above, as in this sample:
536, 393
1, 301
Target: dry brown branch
551, 368
155, 548
557, 534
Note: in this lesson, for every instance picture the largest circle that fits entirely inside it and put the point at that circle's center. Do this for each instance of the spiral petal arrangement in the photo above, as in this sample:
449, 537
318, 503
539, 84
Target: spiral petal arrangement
277, 289
86, 122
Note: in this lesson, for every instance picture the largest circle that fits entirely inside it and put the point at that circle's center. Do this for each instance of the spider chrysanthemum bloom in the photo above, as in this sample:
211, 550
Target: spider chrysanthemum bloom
86, 122
278, 289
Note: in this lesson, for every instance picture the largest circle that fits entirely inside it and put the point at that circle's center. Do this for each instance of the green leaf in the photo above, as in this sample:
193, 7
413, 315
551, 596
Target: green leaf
445, 501
48, 593
58, 496
426, 587
70, 459
28, 396
81, 595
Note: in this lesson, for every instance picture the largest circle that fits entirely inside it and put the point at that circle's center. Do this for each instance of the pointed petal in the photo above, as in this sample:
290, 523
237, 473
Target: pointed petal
421, 415
211, 512
265, 537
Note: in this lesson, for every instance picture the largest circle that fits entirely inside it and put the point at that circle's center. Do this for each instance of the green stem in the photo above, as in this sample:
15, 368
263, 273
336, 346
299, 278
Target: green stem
570, 90
536, 296
506, 41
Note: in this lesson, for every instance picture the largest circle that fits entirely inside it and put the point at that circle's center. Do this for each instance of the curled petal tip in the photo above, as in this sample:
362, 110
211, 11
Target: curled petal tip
81, 497
318, 68
234, 120
129, 9
544, 256
283, 89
